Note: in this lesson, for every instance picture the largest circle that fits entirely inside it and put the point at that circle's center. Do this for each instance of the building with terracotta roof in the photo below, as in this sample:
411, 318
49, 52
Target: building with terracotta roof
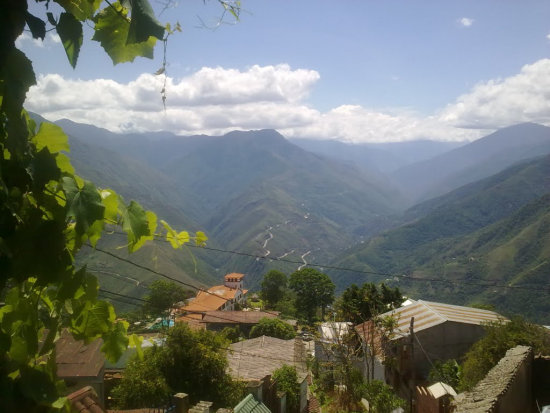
440, 332
218, 298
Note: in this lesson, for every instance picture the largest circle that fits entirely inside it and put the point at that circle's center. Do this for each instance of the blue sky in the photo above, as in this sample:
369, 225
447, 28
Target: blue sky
349, 70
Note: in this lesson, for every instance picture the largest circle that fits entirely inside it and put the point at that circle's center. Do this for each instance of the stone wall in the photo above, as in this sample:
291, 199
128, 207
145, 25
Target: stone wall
505, 389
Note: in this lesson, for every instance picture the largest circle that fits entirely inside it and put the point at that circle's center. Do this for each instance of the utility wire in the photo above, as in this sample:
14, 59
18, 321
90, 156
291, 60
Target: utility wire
458, 282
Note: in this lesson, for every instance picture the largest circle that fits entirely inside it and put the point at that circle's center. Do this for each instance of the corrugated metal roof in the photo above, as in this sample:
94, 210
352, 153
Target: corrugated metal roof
251, 405
429, 314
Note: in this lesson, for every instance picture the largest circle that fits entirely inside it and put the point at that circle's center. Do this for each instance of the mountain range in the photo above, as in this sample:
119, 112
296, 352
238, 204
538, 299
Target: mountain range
424, 209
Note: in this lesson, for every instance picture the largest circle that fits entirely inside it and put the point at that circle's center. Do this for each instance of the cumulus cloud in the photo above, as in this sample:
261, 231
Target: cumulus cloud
49, 40
524, 97
466, 21
215, 101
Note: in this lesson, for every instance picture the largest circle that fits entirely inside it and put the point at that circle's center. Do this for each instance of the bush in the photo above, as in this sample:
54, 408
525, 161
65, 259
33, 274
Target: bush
273, 327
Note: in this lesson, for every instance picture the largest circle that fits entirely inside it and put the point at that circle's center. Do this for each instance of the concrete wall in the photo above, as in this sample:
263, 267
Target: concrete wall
445, 341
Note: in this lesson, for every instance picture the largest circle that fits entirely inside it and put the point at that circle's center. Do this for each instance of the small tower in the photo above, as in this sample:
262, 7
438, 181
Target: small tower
234, 280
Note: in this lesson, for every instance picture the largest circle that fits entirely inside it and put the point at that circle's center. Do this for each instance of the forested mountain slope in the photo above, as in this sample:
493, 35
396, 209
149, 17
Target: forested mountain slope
496, 229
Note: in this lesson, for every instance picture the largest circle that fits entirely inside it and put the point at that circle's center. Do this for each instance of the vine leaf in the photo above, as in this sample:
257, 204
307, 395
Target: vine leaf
85, 205
176, 239
200, 238
115, 342
69, 30
16, 77
143, 23
152, 225
94, 320
81, 9
111, 31
52, 137
37, 26
135, 224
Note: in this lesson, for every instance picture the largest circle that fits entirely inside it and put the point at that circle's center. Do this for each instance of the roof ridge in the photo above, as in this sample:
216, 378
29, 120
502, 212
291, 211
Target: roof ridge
433, 310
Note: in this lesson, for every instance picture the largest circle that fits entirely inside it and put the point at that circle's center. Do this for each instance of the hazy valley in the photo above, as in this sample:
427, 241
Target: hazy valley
471, 217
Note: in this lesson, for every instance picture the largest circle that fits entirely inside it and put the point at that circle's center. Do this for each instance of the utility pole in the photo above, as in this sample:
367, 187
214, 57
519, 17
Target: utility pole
413, 376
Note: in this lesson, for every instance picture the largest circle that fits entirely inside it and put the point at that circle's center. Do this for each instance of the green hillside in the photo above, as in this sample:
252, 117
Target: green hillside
492, 231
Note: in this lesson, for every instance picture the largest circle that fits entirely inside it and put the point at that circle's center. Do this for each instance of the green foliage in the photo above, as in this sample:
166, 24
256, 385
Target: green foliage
449, 372
163, 295
143, 383
286, 378
499, 338
191, 362
314, 290
274, 285
273, 327
47, 213
232, 334
381, 397
359, 304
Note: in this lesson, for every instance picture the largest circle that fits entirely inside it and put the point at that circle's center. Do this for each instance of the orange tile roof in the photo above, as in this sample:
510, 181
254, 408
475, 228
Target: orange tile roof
212, 300
234, 275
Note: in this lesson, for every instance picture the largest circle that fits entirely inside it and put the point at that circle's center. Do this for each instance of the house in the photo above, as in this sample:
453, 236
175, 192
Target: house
440, 332
80, 364
218, 298
255, 360
330, 334
245, 320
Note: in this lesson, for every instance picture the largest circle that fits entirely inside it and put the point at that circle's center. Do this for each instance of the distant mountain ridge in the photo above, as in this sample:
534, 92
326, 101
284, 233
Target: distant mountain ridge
477, 160
256, 193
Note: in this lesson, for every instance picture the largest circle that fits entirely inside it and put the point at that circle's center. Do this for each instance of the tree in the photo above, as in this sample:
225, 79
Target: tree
314, 290
274, 285
381, 397
193, 362
448, 372
361, 304
499, 338
286, 378
273, 327
163, 296
47, 212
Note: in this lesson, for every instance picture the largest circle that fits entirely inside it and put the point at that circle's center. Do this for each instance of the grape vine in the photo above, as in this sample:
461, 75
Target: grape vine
47, 212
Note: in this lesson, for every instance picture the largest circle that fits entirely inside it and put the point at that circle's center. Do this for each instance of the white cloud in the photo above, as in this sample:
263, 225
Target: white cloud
466, 21
548, 36
49, 40
217, 100
524, 97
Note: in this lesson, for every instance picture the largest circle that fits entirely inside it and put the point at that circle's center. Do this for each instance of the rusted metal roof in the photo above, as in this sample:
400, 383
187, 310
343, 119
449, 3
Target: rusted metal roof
76, 359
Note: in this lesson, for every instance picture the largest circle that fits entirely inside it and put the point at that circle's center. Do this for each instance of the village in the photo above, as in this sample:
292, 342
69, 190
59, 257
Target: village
397, 350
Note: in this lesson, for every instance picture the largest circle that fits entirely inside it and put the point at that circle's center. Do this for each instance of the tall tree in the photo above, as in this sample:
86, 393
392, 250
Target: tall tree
163, 295
274, 285
359, 304
314, 290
